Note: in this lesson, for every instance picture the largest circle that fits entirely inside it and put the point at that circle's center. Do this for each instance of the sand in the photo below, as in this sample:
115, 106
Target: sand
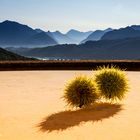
31, 108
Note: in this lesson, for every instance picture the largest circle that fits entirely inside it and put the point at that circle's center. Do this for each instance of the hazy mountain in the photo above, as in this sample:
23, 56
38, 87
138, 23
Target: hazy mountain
103, 49
9, 56
136, 27
41, 39
96, 35
122, 33
39, 30
77, 35
108, 30
62, 38
51, 35
13, 33
48, 33
20, 50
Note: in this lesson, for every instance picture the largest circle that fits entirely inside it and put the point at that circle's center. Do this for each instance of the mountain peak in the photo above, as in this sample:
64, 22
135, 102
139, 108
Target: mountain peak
15, 24
58, 32
9, 22
73, 31
108, 30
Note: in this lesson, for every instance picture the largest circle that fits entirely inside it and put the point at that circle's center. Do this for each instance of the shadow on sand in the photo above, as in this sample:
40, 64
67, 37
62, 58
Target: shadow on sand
63, 120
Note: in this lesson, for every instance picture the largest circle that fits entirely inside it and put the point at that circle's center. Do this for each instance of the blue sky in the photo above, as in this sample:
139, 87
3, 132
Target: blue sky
63, 15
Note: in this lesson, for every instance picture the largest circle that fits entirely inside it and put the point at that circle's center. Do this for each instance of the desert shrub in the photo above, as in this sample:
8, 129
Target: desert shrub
112, 83
80, 92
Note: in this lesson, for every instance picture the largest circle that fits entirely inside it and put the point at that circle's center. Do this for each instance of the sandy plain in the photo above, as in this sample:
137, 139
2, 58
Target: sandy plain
31, 108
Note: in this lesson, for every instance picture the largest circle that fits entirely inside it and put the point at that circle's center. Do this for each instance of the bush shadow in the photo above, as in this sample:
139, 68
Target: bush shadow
66, 119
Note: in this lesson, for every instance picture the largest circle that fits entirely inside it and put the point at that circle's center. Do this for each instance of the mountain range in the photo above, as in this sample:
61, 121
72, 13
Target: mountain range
15, 34
123, 43
104, 49
71, 37
9, 56
96, 35
77, 35
62, 38
128, 32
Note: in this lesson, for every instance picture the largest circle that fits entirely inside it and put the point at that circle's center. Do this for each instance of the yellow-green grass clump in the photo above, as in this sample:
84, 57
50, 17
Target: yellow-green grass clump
80, 92
112, 83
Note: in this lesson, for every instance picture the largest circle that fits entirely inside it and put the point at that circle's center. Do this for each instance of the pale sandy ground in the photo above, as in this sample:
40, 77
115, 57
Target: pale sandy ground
27, 98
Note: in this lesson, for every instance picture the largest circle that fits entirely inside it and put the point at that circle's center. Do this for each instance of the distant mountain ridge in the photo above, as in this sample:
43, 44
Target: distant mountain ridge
96, 35
71, 37
13, 33
10, 56
41, 39
128, 32
62, 38
98, 50
77, 35
136, 27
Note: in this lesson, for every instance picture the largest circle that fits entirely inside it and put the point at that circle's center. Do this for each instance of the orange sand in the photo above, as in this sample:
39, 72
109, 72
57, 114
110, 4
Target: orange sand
27, 98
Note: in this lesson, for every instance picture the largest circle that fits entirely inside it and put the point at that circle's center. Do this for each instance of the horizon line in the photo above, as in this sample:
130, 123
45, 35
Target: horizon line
64, 32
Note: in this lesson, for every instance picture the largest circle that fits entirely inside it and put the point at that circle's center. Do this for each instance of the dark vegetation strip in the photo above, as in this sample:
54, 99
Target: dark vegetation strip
67, 65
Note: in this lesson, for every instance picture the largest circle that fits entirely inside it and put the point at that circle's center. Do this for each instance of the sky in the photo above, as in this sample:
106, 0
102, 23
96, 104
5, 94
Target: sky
63, 15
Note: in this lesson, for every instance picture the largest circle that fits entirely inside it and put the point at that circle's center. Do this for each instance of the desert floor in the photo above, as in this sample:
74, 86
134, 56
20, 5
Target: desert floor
31, 108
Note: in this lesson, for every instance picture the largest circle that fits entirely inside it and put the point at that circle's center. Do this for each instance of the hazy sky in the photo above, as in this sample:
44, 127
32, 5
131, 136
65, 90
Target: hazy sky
66, 14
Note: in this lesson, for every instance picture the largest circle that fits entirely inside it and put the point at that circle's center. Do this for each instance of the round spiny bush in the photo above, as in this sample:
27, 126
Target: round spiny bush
80, 92
112, 83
